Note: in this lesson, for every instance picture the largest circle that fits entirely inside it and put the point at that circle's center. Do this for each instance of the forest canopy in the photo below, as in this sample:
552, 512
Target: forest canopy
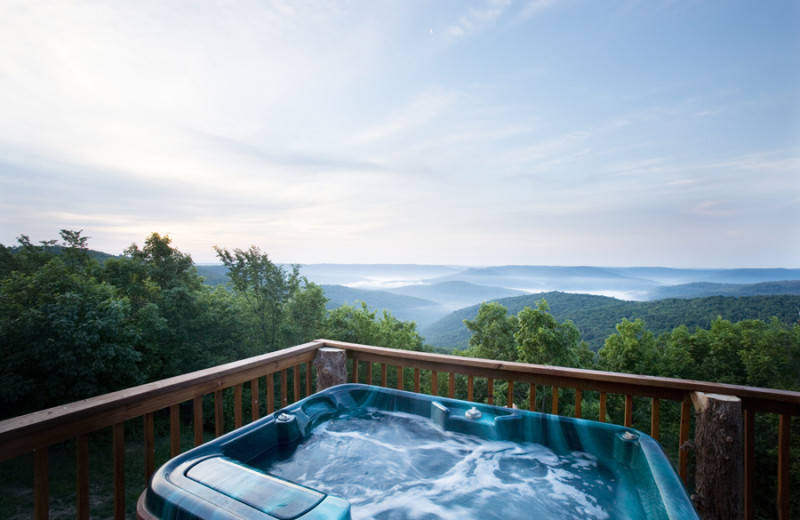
75, 324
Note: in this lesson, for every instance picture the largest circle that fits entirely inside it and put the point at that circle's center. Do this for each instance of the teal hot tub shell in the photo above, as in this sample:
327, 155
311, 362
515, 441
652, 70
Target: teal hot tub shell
238, 475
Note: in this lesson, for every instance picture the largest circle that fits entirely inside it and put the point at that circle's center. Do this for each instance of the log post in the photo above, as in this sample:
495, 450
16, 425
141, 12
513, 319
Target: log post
331, 366
719, 474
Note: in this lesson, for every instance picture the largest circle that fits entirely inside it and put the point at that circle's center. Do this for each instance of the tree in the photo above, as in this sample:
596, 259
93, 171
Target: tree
492, 333
267, 287
168, 298
361, 325
64, 335
542, 339
165, 265
304, 314
632, 349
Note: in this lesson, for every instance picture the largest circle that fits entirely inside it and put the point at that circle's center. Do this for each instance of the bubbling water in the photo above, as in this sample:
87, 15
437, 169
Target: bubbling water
393, 466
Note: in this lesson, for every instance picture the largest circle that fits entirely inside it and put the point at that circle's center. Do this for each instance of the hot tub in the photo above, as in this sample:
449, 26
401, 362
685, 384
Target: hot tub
357, 451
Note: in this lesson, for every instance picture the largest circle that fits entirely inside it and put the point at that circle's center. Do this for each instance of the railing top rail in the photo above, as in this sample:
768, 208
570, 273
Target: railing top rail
69, 420
45, 427
583, 378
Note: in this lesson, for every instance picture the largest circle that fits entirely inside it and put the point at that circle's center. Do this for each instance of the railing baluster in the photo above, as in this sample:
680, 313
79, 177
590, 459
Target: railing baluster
355, 371
655, 418
532, 397
308, 378
149, 447
434, 382
399, 377
119, 470
683, 450
296, 377
174, 430
41, 484
602, 414
555, 401
82, 477
578, 403
490, 390
470, 388
270, 393
237, 406
383, 375
284, 388
749, 462
219, 418
784, 465
510, 397
255, 411
416, 380
197, 409
628, 410
451, 386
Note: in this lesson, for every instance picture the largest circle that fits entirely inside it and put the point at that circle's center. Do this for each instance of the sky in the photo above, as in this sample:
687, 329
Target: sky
544, 132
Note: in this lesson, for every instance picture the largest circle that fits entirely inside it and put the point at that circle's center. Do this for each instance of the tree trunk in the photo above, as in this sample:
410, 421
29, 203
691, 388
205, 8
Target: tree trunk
719, 473
331, 366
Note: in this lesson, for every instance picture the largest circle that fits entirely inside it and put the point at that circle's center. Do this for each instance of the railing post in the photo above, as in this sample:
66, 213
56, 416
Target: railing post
719, 474
331, 366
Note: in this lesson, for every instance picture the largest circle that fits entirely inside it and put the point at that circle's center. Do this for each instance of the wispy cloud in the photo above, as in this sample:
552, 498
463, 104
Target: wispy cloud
477, 18
533, 8
424, 108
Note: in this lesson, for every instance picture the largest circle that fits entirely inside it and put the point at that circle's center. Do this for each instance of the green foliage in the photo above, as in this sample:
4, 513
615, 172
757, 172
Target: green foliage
72, 327
543, 340
596, 316
492, 333
265, 286
532, 336
361, 325
63, 334
632, 349
304, 314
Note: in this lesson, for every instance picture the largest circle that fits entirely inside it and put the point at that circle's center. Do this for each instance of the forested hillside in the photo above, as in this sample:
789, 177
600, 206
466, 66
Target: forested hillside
703, 289
74, 324
406, 308
596, 316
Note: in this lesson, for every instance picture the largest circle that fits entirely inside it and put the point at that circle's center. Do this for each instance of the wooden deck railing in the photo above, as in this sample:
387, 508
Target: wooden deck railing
288, 375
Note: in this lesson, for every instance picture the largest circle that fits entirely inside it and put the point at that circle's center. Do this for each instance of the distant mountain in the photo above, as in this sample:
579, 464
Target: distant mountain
597, 316
457, 294
600, 296
701, 289
374, 276
450, 331
213, 274
673, 276
404, 308
534, 279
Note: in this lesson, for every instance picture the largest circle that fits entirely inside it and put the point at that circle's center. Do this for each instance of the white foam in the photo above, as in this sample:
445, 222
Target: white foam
393, 466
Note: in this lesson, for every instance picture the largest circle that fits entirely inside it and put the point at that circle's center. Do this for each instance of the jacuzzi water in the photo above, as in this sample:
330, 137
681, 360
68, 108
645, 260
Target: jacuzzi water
417, 470
356, 451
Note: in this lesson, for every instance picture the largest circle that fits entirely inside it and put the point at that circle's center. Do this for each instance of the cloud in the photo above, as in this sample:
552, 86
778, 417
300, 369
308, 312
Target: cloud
476, 19
421, 110
534, 7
